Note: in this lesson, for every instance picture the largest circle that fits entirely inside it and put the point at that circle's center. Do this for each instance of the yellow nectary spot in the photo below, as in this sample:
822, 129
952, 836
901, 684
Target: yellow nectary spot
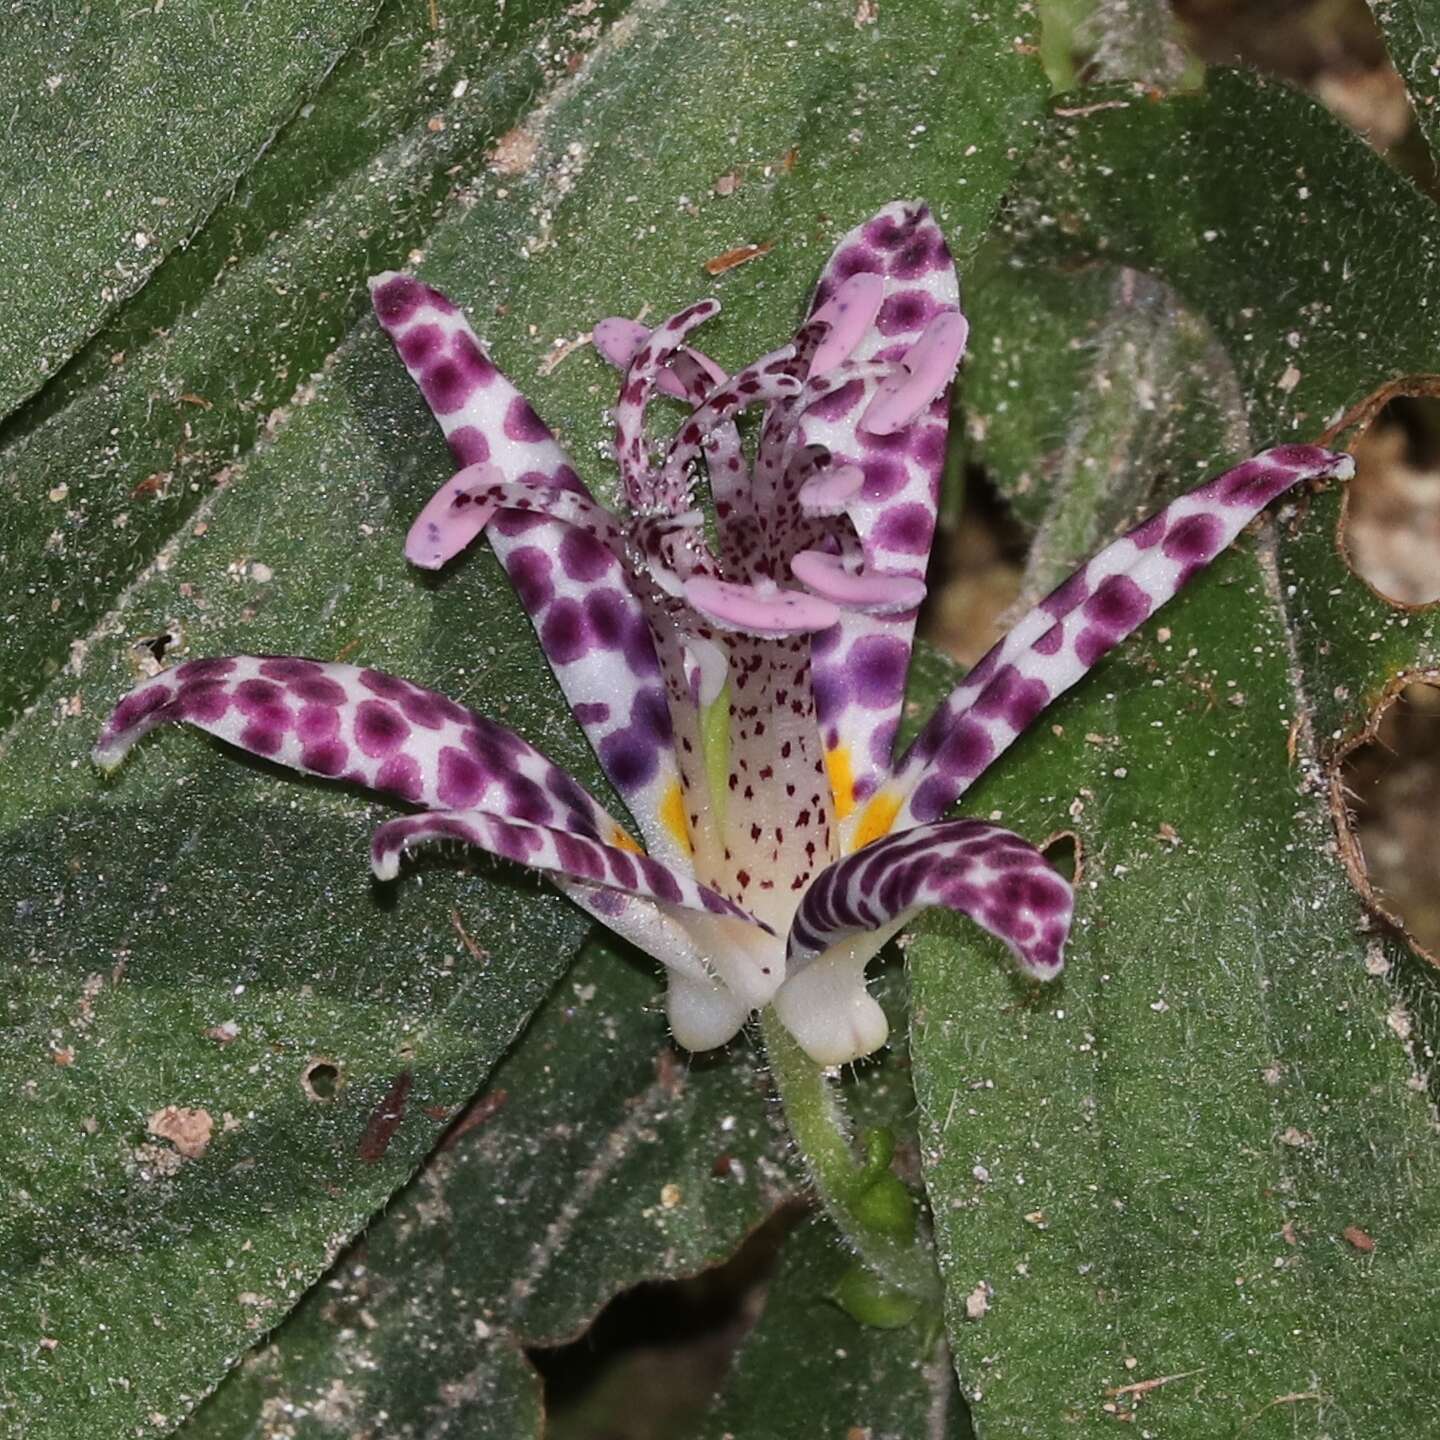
878, 817
623, 841
672, 817
842, 779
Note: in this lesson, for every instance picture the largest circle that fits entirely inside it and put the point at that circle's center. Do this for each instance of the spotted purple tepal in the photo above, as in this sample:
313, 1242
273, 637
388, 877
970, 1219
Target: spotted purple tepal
742, 694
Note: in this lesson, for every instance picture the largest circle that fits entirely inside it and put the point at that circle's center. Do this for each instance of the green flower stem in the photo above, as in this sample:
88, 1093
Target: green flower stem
869, 1206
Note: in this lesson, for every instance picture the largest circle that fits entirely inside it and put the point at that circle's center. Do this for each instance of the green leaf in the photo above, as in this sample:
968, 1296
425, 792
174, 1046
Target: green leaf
809, 1368
1028, 367
1298, 268
125, 128
1088, 396
1216, 1066
596, 1159
1171, 1165
113, 459
1412, 35
192, 895
816, 120
1310, 330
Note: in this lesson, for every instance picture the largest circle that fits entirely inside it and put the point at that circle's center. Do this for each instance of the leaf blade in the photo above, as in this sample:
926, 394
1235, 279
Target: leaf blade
1160, 1160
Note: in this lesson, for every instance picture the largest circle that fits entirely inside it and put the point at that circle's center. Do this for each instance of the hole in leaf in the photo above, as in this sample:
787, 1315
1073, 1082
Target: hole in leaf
1065, 851
653, 1358
321, 1080
1390, 524
156, 645
1384, 787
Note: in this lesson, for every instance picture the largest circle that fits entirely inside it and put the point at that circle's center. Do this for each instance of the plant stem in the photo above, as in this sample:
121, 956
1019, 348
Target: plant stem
818, 1124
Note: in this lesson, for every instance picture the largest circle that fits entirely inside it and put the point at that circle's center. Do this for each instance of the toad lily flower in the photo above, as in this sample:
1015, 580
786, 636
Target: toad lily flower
742, 693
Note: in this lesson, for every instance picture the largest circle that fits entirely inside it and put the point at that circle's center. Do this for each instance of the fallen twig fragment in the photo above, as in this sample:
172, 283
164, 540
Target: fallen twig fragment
1143, 1387
741, 255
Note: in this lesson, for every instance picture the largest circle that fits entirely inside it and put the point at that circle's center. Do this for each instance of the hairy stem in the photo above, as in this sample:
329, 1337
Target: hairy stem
868, 1205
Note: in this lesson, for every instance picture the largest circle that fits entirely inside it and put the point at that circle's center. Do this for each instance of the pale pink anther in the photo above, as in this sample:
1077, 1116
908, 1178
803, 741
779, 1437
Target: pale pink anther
619, 340
757, 610
849, 313
867, 590
451, 519
831, 491
928, 367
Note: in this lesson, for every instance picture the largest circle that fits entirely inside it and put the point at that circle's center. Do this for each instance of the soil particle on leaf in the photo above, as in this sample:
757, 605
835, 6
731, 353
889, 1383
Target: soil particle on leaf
157, 1161
1376, 962
514, 152
189, 1131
